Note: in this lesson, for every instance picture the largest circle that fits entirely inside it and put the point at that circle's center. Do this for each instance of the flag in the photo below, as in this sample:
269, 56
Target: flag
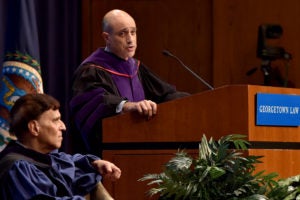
21, 72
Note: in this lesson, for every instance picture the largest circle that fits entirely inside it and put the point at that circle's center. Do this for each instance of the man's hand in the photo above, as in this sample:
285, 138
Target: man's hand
107, 169
147, 108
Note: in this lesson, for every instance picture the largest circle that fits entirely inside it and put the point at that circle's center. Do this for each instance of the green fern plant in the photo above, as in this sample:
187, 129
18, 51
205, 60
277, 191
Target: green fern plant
221, 171
286, 189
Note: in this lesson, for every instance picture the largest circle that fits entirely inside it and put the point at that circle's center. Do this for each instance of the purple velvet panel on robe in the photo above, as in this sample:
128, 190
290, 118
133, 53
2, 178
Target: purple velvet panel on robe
90, 111
129, 85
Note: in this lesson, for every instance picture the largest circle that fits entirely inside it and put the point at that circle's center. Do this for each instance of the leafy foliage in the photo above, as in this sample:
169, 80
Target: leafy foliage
287, 189
221, 171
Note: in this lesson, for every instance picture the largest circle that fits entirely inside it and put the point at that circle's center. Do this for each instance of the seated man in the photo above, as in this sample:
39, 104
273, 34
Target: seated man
32, 168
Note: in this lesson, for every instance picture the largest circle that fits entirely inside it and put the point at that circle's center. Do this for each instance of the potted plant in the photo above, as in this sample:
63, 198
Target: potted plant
221, 171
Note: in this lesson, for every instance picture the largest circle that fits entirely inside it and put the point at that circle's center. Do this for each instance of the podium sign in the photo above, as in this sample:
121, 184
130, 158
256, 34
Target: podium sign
277, 109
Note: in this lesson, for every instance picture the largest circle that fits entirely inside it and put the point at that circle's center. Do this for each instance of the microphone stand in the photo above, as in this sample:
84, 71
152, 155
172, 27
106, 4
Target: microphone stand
167, 53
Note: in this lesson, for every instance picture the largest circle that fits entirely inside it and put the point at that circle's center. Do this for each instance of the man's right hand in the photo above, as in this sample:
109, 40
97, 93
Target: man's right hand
147, 108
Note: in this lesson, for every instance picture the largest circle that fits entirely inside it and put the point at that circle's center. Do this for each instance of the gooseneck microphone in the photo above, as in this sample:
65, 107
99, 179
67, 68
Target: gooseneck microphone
167, 53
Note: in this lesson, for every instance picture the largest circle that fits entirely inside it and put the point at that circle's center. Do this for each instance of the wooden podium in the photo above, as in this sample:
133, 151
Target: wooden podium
139, 146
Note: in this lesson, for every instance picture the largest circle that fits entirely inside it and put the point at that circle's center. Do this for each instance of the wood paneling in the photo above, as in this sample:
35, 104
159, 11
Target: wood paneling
235, 27
273, 161
217, 39
182, 28
182, 122
225, 110
137, 163
134, 165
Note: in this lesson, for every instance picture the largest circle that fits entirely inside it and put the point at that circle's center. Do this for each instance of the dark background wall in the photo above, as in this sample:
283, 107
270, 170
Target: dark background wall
59, 27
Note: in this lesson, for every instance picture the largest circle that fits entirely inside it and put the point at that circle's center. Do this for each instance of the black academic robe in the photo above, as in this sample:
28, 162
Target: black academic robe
96, 96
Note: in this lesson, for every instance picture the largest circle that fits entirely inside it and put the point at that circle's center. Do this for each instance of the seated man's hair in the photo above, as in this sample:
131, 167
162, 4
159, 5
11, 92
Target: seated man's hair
29, 107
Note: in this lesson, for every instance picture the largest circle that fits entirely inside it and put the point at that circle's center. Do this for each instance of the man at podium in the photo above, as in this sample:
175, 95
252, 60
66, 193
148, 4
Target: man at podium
112, 81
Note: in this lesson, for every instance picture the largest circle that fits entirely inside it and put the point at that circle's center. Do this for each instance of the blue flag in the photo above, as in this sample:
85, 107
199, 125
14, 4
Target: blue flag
21, 73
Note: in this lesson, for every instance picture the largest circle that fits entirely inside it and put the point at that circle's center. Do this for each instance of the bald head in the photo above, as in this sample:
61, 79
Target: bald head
113, 18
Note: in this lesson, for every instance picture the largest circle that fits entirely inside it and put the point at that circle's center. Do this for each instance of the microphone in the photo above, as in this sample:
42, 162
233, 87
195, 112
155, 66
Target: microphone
167, 53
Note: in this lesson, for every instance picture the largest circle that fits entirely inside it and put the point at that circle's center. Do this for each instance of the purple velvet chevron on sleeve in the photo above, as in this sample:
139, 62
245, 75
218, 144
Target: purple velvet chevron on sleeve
88, 109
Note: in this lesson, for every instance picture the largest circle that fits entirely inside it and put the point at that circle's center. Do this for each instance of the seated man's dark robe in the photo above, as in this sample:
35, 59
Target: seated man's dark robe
27, 174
